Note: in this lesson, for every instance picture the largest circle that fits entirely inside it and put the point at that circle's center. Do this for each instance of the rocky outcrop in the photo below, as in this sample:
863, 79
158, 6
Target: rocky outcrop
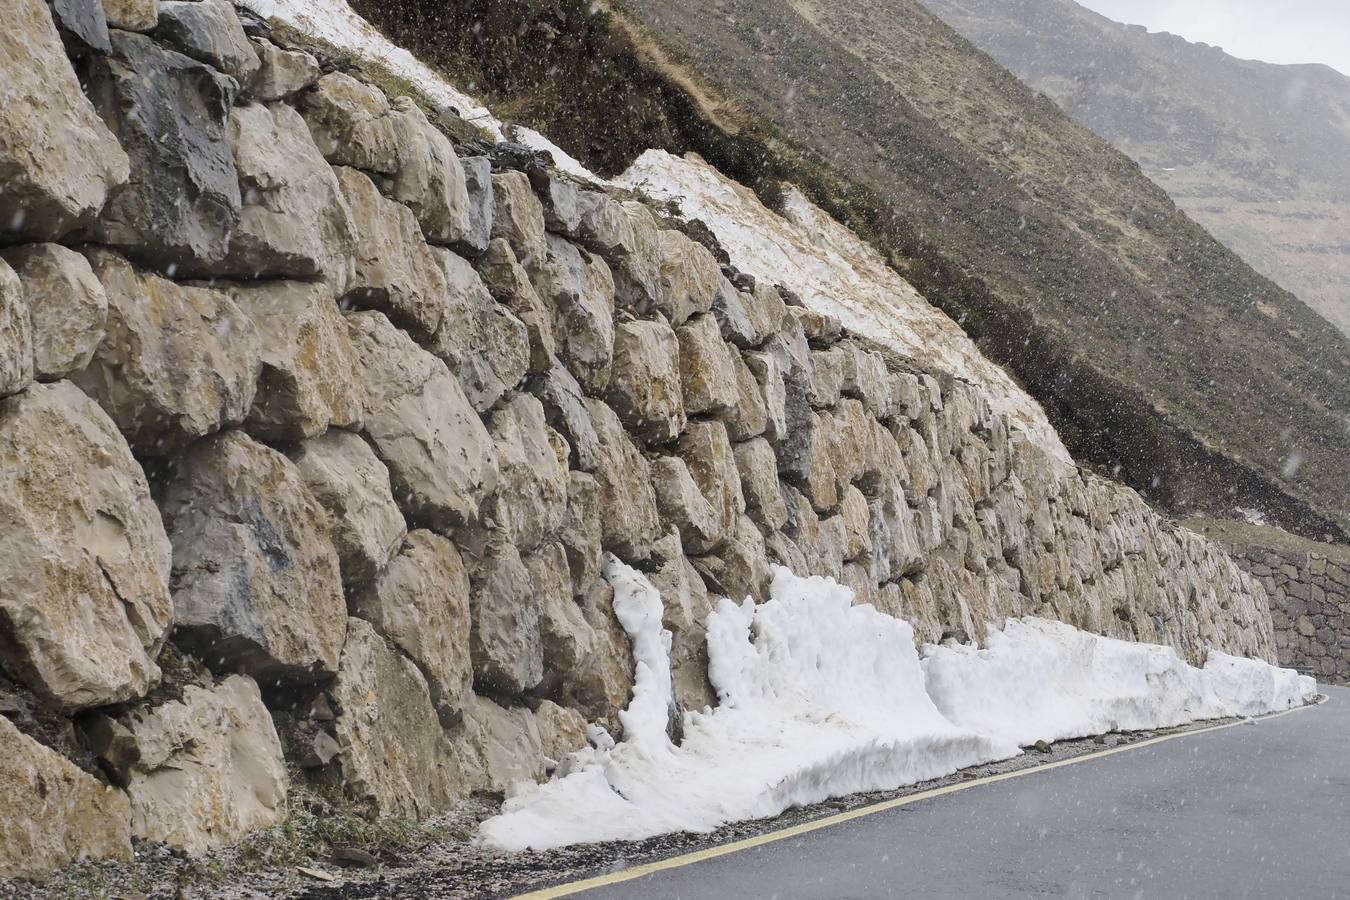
84, 603
67, 815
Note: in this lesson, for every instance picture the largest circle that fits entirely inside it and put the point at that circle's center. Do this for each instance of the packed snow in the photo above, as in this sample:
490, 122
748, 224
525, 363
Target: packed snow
820, 698
835, 272
336, 23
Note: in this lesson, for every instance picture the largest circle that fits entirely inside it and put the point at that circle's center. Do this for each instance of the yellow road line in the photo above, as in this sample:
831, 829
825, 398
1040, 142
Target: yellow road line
686, 859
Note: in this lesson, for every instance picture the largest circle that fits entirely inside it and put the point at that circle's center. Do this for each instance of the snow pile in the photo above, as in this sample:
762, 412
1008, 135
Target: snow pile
819, 699
836, 272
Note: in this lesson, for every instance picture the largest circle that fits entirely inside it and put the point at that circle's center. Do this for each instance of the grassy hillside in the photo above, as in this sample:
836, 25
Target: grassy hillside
1159, 354
1257, 153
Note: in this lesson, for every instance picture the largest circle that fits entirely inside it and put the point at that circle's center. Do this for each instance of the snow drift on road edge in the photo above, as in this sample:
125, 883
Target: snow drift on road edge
820, 698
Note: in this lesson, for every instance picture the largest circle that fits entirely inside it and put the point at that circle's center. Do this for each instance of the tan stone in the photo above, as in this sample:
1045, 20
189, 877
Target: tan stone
16, 334
707, 374
644, 386
66, 306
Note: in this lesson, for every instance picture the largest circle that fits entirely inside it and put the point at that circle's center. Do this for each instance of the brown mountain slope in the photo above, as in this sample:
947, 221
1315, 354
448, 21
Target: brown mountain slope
1257, 153
1158, 353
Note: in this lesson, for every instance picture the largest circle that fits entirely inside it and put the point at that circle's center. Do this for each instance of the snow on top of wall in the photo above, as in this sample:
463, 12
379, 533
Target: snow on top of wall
836, 272
820, 698
338, 24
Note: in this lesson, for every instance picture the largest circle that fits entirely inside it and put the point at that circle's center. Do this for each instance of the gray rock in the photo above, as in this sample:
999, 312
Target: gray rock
579, 289
707, 375
748, 417
519, 218
208, 768
565, 409
352, 124
530, 503
707, 451
209, 32
177, 362
690, 278
295, 221
739, 568
567, 638
630, 521
644, 385
396, 273
430, 179
758, 469
510, 286
256, 584
83, 26
66, 306
16, 334
310, 379
352, 486
483, 343
169, 113
58, 163
505, 642
768, 374
581, 534
683, 505
441, 459
68, 815
85, 593
482, 203
560, 197
421, 603
281, 73
394, 760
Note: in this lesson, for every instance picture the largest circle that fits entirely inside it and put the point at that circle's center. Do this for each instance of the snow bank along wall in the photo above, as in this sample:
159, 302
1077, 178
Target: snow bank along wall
315, 427
1310, 605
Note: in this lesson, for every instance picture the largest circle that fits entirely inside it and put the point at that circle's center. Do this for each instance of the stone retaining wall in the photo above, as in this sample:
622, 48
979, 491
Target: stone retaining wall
316, 425
1310, 606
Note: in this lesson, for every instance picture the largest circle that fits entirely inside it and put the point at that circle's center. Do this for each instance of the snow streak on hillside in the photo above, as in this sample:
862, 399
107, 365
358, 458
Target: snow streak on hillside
836, 272
819, 698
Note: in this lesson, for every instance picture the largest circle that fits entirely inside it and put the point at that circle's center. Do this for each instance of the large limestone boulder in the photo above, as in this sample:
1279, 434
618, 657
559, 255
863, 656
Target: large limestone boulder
739, 568
478, 183
707, 372
441, 459
207, 768
601, 684
685, 604
132, 15
644, 385
758, 469
309, 379
395, 271
16, 334
281, 73
58, 814
505, 643
530, 503
690, 278
749, 318
683, 505
58, 162
208, 31
66, 306
510, 286
177, 362
484, 344
499, 746
581, 536
394, 758
421, 603
579, 289
748, 417
352, 485
630, 521
519, 217
565, 407
169, 113
295, 222
256, 584
707, 451
568, 639
82, 25
768, 373
85, 596
352, 124
430, 179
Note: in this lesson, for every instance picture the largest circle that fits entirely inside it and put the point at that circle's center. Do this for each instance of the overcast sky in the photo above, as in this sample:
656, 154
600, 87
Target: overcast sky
1280, 31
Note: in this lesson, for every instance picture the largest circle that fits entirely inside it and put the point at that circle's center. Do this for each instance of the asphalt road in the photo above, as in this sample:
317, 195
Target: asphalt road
1259, 810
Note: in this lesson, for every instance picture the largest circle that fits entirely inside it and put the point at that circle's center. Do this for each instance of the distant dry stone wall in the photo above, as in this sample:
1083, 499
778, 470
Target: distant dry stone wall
1310, 606
315, 427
